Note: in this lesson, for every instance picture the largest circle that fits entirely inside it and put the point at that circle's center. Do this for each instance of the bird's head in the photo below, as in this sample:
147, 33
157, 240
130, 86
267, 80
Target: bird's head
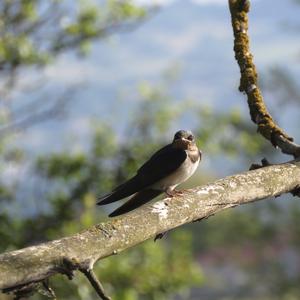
184, 139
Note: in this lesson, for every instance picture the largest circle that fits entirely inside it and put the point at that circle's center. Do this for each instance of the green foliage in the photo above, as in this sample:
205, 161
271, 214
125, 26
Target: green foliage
33, 33
62, 165
125, 9
235, 227
143, 271
283, 85
74, 180
229, 133
24, 24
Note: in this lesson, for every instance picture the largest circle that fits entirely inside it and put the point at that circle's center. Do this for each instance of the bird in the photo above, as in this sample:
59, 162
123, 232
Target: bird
162, 173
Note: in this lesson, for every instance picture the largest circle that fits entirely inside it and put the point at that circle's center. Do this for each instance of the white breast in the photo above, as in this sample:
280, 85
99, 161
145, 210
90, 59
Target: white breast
185, 171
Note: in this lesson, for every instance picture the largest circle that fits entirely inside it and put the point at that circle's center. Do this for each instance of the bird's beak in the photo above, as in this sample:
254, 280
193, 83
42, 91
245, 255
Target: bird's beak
186, 140
182, 143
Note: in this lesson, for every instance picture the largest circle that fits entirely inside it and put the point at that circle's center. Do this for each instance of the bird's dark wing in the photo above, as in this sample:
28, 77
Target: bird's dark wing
136, 201
161, 164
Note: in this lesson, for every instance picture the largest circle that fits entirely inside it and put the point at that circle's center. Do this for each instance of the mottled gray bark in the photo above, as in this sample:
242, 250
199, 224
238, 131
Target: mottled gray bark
82, 250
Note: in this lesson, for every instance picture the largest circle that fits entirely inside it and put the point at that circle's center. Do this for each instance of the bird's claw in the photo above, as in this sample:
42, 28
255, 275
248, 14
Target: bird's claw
174, 193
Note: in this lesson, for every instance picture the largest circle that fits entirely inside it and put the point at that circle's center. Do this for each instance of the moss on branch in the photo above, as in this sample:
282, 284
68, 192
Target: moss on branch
249, 81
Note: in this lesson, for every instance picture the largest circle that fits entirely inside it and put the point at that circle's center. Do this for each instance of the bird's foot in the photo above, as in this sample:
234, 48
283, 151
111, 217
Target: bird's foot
173, 193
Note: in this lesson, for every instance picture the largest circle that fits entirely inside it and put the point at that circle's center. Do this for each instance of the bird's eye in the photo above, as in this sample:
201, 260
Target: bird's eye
190, 138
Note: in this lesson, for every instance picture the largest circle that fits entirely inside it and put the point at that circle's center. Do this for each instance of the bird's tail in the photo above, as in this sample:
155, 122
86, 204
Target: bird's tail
136, 201
122, 191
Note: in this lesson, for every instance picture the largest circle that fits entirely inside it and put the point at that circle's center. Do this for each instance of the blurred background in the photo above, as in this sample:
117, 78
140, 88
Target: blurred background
89, 89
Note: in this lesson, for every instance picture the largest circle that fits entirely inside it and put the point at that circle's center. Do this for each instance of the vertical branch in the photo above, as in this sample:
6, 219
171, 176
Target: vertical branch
249, 81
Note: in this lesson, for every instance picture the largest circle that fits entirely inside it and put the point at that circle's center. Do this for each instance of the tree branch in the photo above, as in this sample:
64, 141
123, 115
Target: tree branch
37, 112
34, 264
249, 81
96, 284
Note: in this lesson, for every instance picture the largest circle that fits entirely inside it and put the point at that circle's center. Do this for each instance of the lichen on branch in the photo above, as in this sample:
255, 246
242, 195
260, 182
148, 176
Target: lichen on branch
249, 81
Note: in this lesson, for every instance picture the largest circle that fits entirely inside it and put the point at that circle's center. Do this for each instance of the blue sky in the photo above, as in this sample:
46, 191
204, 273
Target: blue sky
196, 35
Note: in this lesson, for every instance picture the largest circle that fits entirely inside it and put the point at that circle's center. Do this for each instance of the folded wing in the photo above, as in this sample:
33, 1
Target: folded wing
161, 164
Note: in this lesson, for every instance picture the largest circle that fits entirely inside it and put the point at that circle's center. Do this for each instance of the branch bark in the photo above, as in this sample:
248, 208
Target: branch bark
79, 252
249, 82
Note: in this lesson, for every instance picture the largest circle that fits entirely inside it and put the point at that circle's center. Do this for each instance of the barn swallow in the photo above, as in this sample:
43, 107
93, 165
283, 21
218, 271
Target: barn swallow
167, 168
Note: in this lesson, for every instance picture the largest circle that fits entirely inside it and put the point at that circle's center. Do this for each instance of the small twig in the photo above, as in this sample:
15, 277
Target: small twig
92, 278
31, 116
296, 192
47, 290
264, 163
160, 236
67, 267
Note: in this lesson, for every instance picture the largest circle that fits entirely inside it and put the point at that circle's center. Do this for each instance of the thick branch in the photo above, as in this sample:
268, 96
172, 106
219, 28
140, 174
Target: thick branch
36, 263
249, 81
